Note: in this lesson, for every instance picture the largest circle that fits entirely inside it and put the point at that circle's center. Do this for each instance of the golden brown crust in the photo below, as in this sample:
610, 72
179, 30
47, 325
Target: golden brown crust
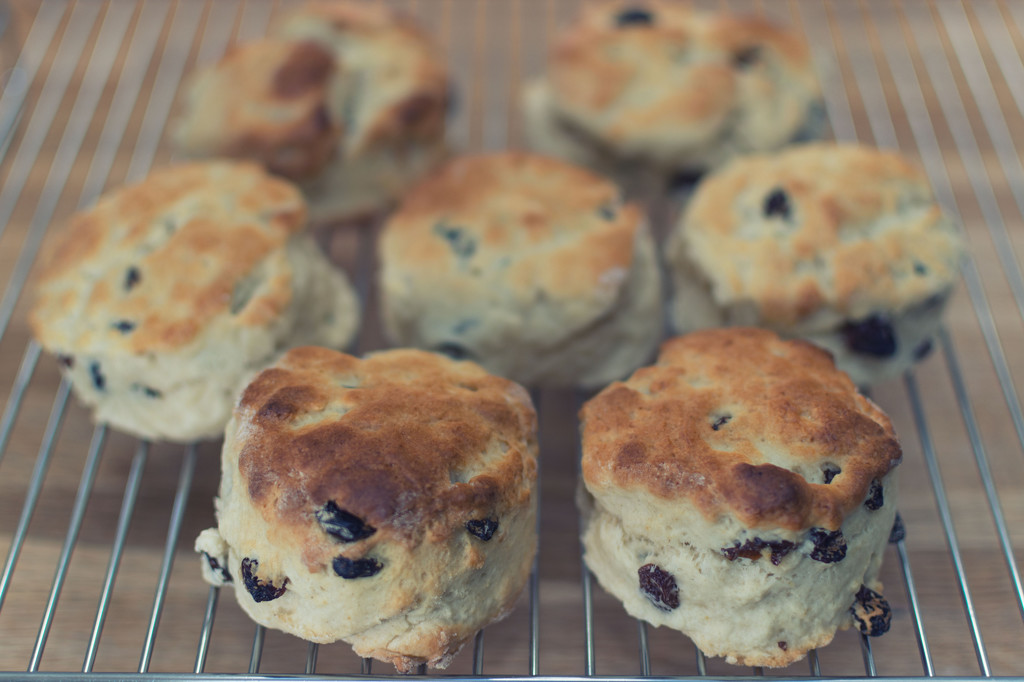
336, 79
741, 423
412, 443
267, 101
165, 256
535, 223
402, 93
860, 232
672, 79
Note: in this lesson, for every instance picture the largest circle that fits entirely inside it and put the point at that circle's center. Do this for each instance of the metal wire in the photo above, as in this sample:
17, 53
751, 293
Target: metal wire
918, 116
107, 46
35, 485
645, 652
970, 155
204, 637
535, 620
124, 519
702, 663
478, 653
108, 43
981, 460
813, 664
915, 610
535, 396
312, 649
92, 463
83, 16
188, 467
257, 649
959, 31
868, 656
21, 382
946, 516
588, 623
37, 44
1001, 44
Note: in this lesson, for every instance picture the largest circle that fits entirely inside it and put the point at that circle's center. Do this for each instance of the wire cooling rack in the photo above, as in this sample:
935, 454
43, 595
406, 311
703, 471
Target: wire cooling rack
97, 527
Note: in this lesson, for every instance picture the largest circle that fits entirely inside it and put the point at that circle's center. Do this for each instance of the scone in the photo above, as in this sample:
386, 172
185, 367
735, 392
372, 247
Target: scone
388, 502
165, 297
346, 99
741, 491
658, 89
843, 245
525, 264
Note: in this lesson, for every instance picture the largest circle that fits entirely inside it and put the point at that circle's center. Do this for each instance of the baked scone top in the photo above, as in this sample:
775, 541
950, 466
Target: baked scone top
336, 78
153, 265
518, 223
738, 422
410, 442
639, 74
395, 84
838, 226
269, 101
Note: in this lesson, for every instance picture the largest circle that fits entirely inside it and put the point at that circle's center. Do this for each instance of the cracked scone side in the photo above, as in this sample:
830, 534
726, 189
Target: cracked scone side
392, 498
162, 300
741, 491
532, 267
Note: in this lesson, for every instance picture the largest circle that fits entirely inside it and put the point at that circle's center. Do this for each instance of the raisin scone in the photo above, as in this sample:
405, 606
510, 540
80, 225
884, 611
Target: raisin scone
643, 89
388, 502
525, 264
164, 298
346, 99
841, 244
742, 491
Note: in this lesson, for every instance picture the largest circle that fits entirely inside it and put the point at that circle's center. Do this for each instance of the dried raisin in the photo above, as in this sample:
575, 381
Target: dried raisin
123, 326
350, 569
783, 645
243, 292
777, 204
871, 612
462, 244
634, 16
751, 549
875, 499
747, 57
341, 524
831, 471
923, 350
454, 351
720, 421
463, 326
873, 335
147, 391
482, 528
829, 546
898, 532
215, 566
132, 276
260, 591
98, 380
659, 586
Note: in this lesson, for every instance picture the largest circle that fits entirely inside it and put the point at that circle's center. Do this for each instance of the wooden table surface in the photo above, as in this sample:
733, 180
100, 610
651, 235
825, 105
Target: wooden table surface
943, 82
